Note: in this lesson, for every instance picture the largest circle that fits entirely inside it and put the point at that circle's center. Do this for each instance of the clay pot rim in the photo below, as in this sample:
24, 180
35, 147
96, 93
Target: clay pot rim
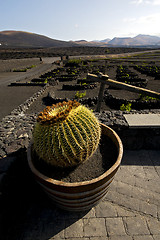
83, 183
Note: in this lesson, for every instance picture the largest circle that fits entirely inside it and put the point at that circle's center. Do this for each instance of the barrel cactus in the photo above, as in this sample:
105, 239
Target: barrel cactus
66, 134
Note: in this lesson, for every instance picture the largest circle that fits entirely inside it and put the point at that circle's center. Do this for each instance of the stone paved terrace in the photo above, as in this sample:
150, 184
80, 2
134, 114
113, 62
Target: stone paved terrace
130, 210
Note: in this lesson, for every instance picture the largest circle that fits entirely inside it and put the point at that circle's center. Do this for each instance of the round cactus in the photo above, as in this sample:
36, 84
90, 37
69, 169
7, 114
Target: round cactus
66, 134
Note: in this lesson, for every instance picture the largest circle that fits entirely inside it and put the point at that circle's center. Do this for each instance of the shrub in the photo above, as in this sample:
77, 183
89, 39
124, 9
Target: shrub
126, 107
80, 94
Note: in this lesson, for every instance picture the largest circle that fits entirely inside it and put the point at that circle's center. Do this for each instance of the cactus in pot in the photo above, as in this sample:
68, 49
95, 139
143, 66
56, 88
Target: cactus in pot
66, 134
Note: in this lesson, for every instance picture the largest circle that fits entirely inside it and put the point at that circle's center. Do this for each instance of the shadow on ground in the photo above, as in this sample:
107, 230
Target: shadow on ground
141, 157
25, 211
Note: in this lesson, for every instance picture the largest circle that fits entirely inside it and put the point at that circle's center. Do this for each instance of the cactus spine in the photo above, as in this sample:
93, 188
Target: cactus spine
66, 134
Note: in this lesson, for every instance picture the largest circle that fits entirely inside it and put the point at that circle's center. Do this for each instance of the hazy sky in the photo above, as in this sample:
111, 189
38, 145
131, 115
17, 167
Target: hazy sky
82, 19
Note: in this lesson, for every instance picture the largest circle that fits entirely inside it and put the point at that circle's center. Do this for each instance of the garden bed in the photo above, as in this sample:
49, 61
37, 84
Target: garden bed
27, 84
79, 88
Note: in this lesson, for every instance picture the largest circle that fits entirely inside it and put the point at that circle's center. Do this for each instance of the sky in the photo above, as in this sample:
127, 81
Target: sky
82, 19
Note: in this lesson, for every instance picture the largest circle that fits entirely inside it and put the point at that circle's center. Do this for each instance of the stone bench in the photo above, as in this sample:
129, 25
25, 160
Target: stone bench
143, 120
143, 131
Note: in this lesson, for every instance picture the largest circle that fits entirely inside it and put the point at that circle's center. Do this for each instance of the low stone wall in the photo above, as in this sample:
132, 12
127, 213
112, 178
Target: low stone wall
16, 129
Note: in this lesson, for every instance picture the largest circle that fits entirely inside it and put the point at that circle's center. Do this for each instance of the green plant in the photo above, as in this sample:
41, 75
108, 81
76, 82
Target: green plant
66, 134
32, 66
20, 70
73, 63
126, 107
80, 94
147, 98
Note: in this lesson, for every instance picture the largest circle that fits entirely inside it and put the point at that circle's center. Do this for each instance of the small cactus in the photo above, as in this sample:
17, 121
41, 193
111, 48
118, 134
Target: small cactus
66, 134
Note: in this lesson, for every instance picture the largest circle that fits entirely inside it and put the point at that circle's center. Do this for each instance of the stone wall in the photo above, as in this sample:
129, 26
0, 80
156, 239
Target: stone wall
16, 128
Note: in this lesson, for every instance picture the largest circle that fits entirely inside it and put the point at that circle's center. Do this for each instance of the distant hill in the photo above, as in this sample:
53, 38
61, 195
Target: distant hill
105, 40
26, 39
139, 40
121, 41
31, 40
147, 39
90, 43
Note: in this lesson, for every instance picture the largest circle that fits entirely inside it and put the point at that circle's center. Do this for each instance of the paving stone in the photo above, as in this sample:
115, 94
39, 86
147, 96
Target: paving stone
74, 229
136, 192
125, 176
143, 237
158, 170
123, 200
115, 226
147, 208
136, 226
156, 237
154, 226
98, 238
158, 212
121, 237
105, 209
74, 239
122, 212
122, 188
137, 170
150, 171
146, 195
151, 184
132, 203
94, 227
90, 214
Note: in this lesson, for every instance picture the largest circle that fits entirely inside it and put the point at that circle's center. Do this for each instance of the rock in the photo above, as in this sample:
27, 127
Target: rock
51, 95
13, 147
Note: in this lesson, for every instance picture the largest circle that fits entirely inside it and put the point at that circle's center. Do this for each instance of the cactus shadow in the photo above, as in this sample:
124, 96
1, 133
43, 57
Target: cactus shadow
25, 211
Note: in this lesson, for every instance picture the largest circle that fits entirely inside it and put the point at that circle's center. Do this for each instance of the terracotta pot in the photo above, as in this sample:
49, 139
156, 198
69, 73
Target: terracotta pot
79, 196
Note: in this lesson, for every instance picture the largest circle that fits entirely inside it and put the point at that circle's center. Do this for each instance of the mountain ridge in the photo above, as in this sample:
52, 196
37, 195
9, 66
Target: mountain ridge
12, 38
